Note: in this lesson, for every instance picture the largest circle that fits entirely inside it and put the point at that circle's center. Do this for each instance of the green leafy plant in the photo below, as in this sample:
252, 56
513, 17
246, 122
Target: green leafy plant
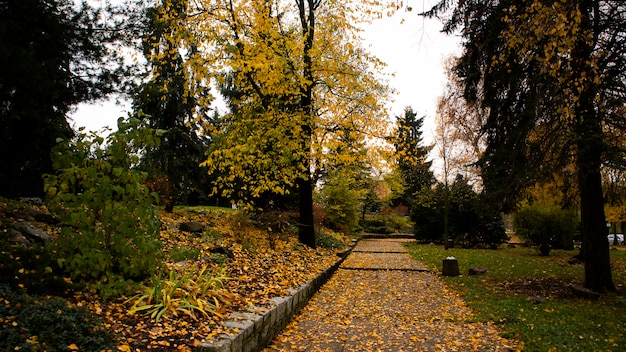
186, 291
325, 240
179, 254
34, 323
546, 227
109, 226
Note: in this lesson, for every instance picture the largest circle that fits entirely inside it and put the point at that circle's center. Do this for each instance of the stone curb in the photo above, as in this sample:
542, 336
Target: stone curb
255, 328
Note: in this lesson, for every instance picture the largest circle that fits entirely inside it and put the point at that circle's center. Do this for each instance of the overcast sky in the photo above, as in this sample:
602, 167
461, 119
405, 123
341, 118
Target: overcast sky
413, 48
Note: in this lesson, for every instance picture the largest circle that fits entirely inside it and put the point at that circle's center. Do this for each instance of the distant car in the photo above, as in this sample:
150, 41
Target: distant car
611, 238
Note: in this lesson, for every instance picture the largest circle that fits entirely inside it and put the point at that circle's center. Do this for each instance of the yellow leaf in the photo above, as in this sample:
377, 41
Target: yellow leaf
73, 347
124, 348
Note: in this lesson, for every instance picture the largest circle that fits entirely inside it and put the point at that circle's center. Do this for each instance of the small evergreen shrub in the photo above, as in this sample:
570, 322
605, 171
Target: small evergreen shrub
375, 226
327, 241
33, 323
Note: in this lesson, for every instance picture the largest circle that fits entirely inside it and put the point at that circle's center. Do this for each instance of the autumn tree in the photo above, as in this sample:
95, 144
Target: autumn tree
54, 55
173, 102
460, 122
551, 75
302, 86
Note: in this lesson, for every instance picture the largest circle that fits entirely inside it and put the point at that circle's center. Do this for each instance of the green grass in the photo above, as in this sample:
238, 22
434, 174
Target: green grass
561, 323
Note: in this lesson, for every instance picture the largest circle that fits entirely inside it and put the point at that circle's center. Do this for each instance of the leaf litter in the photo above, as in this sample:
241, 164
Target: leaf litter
387, 310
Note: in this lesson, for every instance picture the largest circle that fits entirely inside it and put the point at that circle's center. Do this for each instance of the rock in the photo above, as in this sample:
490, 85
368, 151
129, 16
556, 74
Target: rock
32, 232
47, 218
192, 226
583, 292
224, 251
477, 270
535, 300
27, 214
574, 261
18, 238
36, 201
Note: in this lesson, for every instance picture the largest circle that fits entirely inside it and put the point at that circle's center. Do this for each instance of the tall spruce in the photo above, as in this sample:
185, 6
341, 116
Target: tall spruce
53, 55
411, 155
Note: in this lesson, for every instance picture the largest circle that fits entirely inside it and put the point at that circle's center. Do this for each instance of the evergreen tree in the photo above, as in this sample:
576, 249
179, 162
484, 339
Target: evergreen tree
551, 75
411, 155
52, 57
172, 104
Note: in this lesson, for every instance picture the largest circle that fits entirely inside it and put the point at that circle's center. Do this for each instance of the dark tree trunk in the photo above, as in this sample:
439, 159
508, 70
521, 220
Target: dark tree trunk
590, 145
306, 233
598, 275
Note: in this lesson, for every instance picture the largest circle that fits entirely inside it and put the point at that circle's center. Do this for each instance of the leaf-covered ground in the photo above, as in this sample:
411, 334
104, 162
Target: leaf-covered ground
256, 274
394, 308
265, 265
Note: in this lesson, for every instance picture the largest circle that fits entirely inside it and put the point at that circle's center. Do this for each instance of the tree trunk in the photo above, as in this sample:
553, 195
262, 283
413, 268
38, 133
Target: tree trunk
306, 233
590, 145
598, 276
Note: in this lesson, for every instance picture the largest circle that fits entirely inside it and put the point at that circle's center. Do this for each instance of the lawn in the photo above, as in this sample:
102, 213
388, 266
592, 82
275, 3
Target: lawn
518, 278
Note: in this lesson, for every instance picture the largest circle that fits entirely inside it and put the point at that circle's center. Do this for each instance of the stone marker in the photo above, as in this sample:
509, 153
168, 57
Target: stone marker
450, 267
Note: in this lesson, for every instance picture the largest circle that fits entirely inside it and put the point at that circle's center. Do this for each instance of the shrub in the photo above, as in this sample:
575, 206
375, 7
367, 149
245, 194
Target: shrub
109, 226
33, 323
470, 220
325, 240
375, 226
546, 227
341, 198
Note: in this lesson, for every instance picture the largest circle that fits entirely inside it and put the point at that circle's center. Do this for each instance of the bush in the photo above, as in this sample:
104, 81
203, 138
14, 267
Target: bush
326, 240
470, 220
33, 323
109, 226
341, 198
375, 226
546, 227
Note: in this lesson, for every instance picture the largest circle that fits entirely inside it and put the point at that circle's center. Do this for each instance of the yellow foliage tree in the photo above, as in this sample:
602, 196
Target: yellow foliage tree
301, 87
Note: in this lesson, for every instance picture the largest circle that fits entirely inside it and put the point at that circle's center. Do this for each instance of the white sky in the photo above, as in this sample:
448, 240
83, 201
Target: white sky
413, 48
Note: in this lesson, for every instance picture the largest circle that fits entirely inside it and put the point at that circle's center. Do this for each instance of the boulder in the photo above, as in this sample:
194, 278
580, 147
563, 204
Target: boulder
18, 238
224, 251
535, 300
477, 270
583, 292
191, 226
32, 232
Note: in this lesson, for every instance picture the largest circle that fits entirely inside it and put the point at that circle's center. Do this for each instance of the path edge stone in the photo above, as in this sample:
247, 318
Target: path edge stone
256, 328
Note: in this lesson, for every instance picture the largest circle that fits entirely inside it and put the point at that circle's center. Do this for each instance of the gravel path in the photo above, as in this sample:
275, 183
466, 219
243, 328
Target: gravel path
383, 300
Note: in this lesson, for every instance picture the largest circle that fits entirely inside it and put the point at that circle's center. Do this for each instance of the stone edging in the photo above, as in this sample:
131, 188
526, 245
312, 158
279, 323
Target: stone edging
255, 328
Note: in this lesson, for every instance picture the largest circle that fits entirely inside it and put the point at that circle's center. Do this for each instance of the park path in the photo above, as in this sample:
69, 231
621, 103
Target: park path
381, 299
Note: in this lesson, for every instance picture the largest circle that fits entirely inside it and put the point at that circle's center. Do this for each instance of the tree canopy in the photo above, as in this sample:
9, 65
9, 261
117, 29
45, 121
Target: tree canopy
550, 74
300, 87
53, 55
